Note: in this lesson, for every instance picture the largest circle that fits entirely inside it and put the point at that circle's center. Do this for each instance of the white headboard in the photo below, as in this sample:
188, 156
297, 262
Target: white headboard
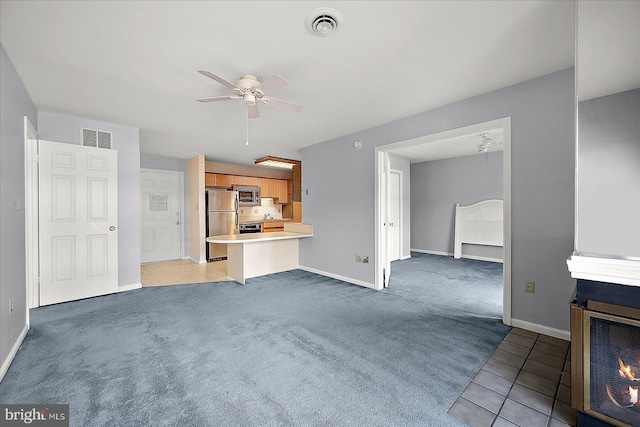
478, 224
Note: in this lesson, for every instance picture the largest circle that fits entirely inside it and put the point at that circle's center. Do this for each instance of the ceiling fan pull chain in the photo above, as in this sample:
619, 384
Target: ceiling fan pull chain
247, 121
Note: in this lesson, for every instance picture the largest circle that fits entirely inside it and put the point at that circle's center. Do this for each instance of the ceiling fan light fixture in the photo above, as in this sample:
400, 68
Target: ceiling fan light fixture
324, 22
249, 99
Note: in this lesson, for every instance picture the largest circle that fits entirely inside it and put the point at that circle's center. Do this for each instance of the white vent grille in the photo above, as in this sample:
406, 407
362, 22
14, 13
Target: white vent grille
96, 138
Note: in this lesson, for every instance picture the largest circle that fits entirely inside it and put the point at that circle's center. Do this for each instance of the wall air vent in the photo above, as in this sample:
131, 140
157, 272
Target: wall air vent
96, 138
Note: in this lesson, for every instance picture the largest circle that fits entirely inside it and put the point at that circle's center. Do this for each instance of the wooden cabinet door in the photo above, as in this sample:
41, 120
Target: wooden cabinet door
251, 180
209, 179
264, 187
223, 180
283, 193
237, 180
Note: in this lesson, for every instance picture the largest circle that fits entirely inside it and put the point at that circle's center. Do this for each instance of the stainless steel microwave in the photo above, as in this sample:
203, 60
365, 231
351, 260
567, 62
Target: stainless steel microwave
248, 195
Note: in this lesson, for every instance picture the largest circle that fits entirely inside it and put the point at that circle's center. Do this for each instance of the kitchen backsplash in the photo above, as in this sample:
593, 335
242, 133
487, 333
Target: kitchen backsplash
258, 212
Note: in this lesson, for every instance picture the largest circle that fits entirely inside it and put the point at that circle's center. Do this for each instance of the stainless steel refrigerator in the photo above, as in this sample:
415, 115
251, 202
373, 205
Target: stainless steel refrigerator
222, 218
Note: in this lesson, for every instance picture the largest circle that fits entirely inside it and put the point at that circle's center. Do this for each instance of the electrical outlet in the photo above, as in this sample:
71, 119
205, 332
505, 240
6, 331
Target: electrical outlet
255, 210
530, 287
358, 258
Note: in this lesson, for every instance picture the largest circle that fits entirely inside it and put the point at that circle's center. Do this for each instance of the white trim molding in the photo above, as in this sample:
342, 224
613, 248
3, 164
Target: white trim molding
14, 350
129, 287
622, 271
338, 277
541, 329
450, 254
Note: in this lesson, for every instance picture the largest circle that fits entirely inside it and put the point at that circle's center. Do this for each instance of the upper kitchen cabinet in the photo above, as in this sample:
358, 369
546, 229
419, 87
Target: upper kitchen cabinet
226, 181
283, 193
217, 180
237, 180
274, 189
268, 187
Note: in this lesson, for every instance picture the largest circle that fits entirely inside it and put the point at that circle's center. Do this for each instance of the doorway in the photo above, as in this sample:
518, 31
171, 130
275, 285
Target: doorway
410, 149
161, 215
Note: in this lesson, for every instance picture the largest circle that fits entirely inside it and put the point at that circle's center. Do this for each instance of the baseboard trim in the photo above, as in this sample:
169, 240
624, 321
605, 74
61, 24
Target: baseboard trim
129, 287
541, 329
198, 261
338, 277
450, 254
405, 257
14, 350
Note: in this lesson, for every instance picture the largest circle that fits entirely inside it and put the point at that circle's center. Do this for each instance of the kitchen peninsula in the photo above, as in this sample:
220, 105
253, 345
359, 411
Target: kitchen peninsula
256, 254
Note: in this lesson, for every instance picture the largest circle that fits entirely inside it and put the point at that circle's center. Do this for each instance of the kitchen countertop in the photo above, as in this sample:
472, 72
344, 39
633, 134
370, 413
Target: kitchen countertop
258, 219
256, 237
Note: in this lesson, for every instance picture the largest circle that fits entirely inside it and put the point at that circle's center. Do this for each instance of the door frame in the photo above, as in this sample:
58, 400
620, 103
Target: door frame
31, 206
180, 175
400, 211
379, 228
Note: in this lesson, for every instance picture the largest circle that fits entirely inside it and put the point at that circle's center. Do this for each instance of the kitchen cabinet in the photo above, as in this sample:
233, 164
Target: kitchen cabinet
268, 188
223, 180
209, 179
217, 180
275, 189
272, 226
251, 180
283, 193
237, 180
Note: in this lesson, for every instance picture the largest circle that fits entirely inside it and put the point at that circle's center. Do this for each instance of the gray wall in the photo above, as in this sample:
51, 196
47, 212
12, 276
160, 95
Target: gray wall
609, 175
61, 128
403, 164
542, 115
153, 161
15, 103
437, 186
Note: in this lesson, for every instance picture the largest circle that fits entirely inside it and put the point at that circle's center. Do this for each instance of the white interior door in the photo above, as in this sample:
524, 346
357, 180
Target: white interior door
394, 215
78, 222
161, 195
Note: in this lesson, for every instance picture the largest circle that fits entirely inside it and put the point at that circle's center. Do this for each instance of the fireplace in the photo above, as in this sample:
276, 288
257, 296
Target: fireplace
605, 340
611, 368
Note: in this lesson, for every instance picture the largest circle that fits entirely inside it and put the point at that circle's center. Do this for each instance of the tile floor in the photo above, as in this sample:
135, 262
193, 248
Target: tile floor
181, 272
525, 383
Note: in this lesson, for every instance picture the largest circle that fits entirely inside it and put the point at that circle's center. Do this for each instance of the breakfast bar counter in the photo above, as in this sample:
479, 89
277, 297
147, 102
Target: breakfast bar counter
256, 254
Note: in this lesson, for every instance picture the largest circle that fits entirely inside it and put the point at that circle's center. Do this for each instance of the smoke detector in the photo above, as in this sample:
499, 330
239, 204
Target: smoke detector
324, 22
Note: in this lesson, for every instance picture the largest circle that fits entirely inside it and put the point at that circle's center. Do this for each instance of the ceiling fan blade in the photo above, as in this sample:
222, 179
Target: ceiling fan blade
282, 103
218, 79
217, 98
253, 111
274, 83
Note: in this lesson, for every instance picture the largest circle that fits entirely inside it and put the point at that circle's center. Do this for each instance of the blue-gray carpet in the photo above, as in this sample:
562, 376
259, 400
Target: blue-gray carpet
291, 348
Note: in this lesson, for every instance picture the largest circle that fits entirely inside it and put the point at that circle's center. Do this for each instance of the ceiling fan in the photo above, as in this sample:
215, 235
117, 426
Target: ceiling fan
252, 90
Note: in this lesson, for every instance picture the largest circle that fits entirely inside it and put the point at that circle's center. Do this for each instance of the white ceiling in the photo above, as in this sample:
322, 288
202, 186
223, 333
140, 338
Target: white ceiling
134, 63
431, 147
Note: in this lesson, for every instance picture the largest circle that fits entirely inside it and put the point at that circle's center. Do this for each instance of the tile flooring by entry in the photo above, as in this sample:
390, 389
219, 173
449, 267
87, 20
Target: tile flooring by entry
181, 272
525, 383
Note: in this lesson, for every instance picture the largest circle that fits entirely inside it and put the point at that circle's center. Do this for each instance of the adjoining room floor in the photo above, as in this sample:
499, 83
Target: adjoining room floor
182, 272
526, 382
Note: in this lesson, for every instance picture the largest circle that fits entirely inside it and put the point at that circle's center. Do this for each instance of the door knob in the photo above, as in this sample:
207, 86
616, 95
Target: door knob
112, 228
177, 222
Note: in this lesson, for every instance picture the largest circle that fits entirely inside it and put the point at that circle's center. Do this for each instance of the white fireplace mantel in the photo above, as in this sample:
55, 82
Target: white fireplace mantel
599, 268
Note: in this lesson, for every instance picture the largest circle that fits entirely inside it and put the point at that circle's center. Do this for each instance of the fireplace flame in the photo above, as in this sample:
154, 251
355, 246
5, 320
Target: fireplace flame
626, 372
